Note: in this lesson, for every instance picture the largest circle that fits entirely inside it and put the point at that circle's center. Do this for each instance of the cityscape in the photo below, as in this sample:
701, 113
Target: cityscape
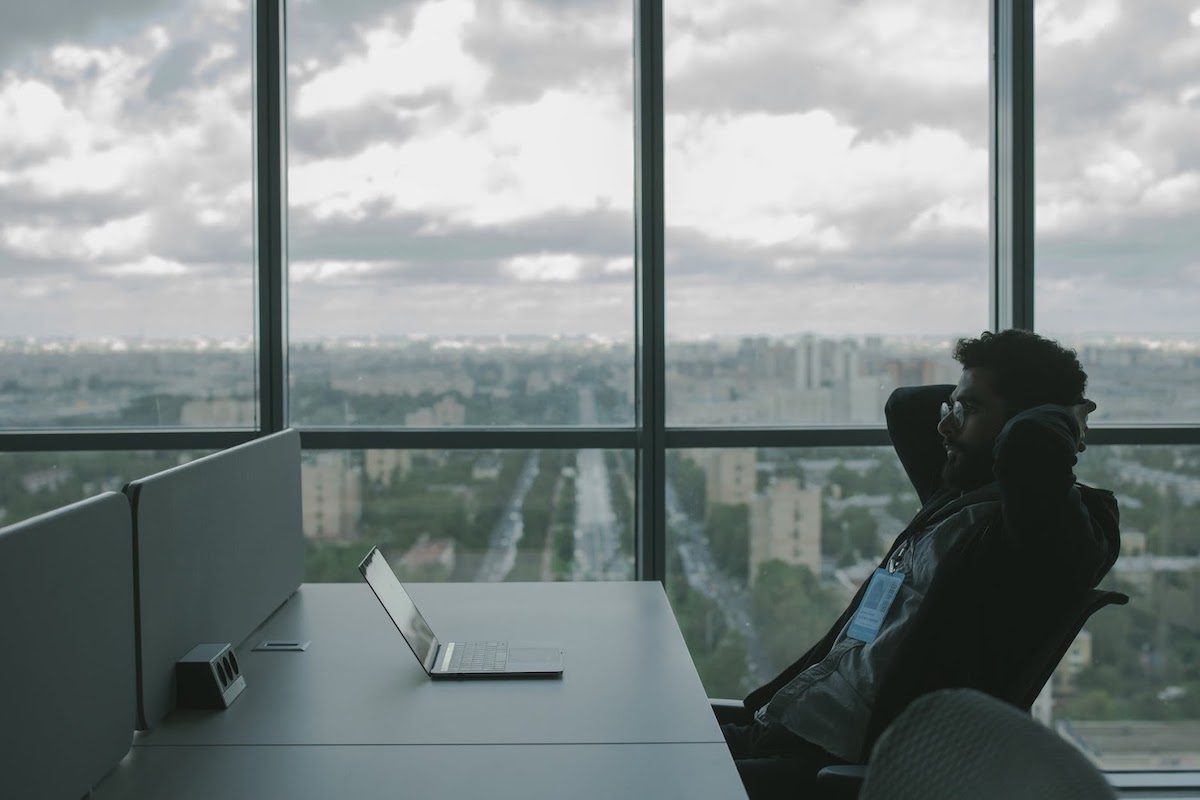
765, 546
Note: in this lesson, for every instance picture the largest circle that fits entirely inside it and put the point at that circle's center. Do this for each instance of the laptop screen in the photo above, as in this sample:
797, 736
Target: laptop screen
400, 607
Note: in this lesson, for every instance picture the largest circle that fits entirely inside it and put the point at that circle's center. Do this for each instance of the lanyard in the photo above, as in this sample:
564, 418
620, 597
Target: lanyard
896, 557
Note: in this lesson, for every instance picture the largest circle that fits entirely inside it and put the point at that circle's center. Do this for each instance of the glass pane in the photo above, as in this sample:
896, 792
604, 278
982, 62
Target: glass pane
1118, 193
1128, 691
826, 203
126, 232
462, 515
766, 547
461, 213
34, 483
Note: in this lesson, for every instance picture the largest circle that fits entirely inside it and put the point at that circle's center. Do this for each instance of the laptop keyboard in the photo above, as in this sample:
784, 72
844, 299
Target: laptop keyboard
479, 657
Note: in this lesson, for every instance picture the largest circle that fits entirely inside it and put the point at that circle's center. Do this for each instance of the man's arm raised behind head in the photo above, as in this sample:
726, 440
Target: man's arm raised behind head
912, 419
1046, 516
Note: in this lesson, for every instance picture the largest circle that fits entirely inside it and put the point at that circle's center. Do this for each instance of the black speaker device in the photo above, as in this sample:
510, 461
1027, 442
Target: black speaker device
209, 676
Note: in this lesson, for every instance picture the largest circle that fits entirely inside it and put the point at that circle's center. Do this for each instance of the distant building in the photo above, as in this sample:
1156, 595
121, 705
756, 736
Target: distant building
807, 370
45, 479
1136, 744
406, 382
446, 412
331, 496
785, 524
384, 466
867, 396
536, 382
808, 405
486, 468
1077, 658
921, 371
429, 555
1133, 543
1043, 705
730, 475
207, 412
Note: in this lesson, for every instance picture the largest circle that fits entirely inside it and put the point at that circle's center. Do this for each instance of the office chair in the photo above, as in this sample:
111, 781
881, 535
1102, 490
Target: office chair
957, 743
845, 782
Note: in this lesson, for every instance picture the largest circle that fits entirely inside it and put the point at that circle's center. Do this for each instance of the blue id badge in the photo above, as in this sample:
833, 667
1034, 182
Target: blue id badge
881, 593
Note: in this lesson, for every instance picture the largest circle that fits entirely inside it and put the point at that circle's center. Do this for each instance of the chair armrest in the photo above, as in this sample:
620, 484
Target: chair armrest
840, 782
730, 711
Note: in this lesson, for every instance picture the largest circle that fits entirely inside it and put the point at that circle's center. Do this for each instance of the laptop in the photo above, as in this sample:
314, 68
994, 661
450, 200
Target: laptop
440, 660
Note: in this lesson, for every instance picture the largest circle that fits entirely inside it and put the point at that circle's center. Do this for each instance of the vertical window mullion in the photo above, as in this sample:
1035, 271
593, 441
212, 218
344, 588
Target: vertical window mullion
650, 344
1012, 165
270, 222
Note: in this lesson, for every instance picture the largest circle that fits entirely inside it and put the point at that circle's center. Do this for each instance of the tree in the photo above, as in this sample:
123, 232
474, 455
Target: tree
728, 530
791, 609
689, 482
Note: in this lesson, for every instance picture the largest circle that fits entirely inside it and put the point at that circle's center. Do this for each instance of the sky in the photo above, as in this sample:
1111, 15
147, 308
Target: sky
465, 167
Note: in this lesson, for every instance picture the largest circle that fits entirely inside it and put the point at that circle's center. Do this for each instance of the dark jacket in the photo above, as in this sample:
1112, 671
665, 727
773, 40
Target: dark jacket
1008, 586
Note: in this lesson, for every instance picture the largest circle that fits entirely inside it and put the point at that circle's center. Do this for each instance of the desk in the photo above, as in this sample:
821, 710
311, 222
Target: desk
355, 716
432, 772
627, 674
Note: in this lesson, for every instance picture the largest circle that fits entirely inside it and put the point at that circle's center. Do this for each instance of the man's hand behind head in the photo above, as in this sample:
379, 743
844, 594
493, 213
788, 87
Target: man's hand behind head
1081, 412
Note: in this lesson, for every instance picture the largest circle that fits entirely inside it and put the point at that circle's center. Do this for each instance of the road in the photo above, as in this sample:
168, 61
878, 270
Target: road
598, 554
705, 577
502, 544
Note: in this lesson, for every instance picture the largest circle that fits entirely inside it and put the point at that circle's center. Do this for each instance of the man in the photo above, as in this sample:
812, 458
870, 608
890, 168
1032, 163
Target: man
974, 588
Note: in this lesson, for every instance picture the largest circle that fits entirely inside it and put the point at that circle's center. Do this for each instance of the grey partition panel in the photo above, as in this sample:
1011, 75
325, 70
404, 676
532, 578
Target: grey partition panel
66, 668
218, 545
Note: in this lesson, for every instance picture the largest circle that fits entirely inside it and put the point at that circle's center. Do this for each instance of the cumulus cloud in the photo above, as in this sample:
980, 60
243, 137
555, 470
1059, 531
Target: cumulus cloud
466, 166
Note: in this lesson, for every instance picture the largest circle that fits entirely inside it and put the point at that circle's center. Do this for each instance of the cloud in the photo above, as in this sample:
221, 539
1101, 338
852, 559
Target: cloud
533, 47
462, 166
30, 27
340, 272
619, 266
1061, 22
545, 267
877, 66
489, 166
810, 182
399, 64
148, 267
114, 238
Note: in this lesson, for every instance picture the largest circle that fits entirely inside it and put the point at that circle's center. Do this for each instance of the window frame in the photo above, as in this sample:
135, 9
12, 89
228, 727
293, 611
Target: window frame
1010, 270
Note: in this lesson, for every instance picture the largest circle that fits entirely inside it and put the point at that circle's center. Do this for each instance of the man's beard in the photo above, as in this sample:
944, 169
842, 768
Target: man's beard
968, 468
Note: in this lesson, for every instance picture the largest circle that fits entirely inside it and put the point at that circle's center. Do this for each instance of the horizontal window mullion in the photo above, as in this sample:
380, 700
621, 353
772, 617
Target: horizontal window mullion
817, 436
468, 438
504, 438
1144, 434
868, 437
132, 439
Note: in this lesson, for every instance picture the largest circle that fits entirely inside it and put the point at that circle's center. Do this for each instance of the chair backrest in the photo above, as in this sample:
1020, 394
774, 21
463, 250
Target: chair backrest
66, 648
218, 546
957, 743
1028, 684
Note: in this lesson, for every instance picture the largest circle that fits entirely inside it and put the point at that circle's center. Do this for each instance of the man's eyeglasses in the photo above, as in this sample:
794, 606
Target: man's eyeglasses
956, 410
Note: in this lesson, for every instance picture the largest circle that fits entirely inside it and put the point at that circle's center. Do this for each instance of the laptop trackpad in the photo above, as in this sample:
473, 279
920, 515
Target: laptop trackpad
522, 657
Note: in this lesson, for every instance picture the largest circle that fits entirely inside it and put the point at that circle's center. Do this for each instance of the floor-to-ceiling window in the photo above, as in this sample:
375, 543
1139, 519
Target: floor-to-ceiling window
1118, 278
500, 373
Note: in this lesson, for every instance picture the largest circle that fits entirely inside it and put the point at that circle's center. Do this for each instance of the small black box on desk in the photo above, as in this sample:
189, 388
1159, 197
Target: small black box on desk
209, 676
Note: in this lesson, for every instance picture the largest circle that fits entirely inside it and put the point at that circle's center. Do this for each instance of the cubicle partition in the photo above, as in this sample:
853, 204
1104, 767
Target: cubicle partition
218, 546
67, 665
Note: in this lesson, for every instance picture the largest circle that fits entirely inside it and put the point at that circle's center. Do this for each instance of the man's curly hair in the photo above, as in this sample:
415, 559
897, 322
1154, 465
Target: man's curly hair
1029, 370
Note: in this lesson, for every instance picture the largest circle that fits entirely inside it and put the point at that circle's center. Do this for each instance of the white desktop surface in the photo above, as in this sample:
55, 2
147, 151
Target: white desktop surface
627, 676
